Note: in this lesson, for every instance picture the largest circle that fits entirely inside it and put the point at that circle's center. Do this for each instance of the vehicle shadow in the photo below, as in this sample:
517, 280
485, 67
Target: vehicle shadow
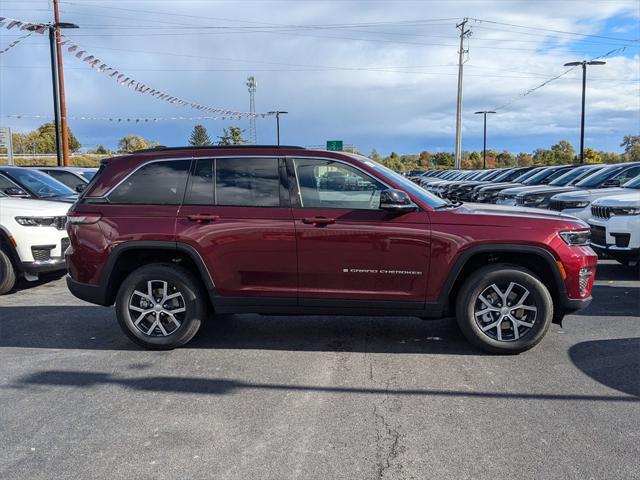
615, 271
614, 363
225, 386
43, 279
613, 301
95, 328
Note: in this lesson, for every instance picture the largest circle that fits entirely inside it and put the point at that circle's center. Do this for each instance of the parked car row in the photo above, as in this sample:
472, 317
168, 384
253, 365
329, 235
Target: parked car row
605, 196
33, 206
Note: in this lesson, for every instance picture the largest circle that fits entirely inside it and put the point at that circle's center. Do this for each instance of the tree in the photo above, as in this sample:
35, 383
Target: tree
505, 159
591, 156
374, 155
542, 156
101, 150
393, 162
231, 136
424, 160
199, 137
474, 161
524, 160
42, 140
563, 152
631, 144
132, 143
443, 159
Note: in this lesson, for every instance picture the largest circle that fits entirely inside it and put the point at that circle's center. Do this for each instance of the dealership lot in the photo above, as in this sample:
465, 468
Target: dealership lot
317, 397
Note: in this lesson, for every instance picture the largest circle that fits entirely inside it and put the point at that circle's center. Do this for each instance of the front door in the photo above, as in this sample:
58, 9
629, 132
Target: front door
349, 249
237, 215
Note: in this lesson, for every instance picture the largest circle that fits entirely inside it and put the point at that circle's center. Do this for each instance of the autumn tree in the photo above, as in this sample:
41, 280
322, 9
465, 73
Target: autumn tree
132, 143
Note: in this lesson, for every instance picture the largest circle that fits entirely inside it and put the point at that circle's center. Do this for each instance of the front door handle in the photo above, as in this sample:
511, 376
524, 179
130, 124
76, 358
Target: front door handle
318, 221
203, 218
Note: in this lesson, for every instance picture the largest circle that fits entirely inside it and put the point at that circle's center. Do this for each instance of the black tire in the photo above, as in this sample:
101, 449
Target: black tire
468, 302
7, 274
192, 300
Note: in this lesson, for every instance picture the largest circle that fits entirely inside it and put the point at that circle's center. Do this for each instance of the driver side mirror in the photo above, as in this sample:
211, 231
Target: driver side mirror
15, 192
80, 187
393, 200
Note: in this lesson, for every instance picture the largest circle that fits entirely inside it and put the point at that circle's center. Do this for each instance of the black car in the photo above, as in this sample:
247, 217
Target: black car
27, 183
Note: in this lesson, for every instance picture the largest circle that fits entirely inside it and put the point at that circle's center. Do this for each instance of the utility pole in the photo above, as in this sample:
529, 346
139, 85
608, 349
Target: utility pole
463, 34
251, 85
277, 113
484, 148
584, 64
64, 134
56, 103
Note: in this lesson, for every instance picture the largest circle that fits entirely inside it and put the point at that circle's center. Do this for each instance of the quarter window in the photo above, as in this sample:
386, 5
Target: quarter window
331, 184
157, 183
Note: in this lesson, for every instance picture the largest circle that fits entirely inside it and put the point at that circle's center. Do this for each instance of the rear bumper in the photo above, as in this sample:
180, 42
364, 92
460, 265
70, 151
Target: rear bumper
44, 266
87, 292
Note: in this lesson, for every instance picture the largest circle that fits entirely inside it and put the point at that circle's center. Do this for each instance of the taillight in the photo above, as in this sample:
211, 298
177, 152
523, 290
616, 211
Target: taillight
83, 218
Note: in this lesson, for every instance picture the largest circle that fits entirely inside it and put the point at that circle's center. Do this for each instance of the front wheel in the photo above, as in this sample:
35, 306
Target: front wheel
504, 309
7, 274
160, 306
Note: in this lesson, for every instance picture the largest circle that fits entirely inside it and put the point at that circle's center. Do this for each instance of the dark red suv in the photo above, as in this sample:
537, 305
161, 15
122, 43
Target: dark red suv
171, 234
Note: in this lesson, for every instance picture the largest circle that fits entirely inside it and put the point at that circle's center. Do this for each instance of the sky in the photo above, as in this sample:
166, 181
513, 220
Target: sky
375, 74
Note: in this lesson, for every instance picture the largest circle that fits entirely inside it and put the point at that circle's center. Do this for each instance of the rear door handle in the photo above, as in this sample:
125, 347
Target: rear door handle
202, 218
319, 221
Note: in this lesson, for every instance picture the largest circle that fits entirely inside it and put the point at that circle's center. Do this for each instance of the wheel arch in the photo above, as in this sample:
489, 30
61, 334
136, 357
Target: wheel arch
538, 260
127, 256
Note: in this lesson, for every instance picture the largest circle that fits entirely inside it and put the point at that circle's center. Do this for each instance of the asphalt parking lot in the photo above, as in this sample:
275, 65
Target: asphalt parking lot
317, 397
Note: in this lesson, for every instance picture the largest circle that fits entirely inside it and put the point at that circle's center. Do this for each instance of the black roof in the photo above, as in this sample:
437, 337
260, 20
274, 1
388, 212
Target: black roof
162, 148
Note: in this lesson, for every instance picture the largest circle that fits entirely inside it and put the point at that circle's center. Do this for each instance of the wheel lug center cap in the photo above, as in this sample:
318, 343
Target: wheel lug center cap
158, 307
505, 310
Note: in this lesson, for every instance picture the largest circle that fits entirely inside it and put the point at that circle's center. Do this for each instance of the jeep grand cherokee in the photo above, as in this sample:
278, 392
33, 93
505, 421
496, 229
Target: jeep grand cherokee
173, 233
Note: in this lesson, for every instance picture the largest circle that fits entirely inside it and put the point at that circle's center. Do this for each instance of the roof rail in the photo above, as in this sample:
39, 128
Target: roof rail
162, 148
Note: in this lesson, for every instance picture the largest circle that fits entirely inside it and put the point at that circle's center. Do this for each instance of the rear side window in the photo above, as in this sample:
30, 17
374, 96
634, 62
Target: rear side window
250, 182
156, 183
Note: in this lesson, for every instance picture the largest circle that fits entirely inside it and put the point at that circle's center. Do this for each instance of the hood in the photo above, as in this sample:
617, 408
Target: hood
498, 186
631, 199
507, 215
539, 189
24, 207
578, 195
516, 190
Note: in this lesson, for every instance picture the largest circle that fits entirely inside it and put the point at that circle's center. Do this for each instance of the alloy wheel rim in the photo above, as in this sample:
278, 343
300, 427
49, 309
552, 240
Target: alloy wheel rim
159, 311
505, 312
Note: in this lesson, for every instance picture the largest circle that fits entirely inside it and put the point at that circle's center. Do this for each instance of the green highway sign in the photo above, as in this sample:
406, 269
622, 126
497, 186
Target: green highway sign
334, 145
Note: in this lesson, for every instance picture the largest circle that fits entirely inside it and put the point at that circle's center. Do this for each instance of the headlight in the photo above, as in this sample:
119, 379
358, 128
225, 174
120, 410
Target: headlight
533, 199
36, 221
576, 237
625, 211
576, 204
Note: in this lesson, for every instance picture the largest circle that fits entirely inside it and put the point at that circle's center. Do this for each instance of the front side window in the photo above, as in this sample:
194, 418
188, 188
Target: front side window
628, 174
40, 184
250, 182
331, 184
69, 179
156, 183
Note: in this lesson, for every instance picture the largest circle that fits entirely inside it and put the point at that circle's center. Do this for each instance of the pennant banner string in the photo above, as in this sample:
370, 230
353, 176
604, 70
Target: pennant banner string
16, 42
120, 119
129, 82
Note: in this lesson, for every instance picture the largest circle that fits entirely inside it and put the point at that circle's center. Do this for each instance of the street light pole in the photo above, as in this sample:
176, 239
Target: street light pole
584, 64
484, 148
277, 113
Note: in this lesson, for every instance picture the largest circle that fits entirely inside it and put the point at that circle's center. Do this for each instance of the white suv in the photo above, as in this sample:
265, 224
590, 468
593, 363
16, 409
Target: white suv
33, 239
615, 225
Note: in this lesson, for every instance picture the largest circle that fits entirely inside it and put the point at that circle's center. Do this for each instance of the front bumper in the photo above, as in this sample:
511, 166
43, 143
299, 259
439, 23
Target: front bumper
622, 254
44, 266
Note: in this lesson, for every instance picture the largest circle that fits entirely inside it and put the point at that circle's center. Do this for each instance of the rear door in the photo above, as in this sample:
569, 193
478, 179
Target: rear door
349, 249
237, 215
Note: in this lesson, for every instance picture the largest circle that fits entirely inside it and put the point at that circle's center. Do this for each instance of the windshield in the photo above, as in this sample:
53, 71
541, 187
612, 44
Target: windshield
40, 184
633, 183
600, 177
527, 175
545, 174
404, 182
574, 174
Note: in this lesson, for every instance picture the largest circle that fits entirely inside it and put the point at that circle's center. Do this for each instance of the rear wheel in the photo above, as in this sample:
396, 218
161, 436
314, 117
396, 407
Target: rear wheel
160, 306
504, 309
7, 274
